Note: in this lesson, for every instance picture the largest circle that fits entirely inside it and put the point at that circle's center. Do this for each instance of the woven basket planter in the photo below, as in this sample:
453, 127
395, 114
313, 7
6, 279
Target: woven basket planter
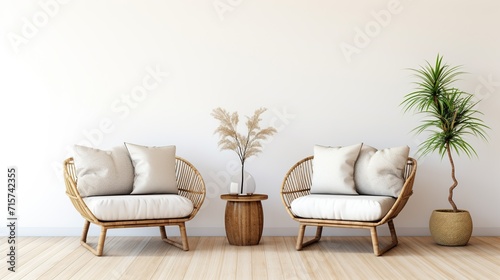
450, 228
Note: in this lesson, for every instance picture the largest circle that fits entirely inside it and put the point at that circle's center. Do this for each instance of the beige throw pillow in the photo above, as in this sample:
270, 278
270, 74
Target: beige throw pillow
154, 169
380, 172
102, 172
333, 169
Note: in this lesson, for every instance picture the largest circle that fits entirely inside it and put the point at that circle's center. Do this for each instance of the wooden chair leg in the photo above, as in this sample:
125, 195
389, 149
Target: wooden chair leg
100, 244
182, 228
300, 238
102, 239
86, 226
394, 239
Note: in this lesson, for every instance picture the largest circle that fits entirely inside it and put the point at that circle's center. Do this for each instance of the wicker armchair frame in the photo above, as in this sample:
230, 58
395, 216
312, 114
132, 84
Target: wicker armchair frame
297, 183
190, 184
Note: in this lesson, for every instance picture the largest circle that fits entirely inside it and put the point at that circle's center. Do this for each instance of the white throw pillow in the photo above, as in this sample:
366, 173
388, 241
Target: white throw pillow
154, 169
333, 169
380, 172
103, 172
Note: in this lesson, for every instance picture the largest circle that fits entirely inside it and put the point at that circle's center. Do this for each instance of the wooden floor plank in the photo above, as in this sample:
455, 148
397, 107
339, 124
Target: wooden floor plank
211, 258
119, 254
288, 270
69, 264
38, 249
229, 261
262, 255
56, 253
244, 267
148, 260
407, 258
274, 258
270, 257
301, 269
175, 264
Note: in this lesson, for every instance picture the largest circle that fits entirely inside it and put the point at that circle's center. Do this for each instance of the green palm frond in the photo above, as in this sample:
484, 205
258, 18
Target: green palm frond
450, 114
433, 82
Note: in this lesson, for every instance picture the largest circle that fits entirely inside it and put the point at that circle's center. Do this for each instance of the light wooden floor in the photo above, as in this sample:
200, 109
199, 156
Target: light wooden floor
274, 258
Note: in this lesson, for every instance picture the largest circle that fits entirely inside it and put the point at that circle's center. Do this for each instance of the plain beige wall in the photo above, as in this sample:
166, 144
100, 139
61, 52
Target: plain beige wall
150, 73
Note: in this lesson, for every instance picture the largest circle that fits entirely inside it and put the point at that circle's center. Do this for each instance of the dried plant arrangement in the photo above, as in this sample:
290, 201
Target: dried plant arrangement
245, 145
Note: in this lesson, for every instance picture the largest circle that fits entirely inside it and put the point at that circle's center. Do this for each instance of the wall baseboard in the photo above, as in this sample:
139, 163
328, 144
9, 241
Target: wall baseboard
220, 231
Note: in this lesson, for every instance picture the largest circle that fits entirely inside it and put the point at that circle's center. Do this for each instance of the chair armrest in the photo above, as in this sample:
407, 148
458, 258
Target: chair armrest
407, 190
70, 179
297, 182
190, 183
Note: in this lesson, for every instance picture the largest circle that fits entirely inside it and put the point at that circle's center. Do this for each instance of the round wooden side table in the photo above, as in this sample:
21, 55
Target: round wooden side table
244, 218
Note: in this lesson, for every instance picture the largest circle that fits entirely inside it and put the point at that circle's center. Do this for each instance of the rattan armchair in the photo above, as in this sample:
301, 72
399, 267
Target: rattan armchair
297, 183
189, 182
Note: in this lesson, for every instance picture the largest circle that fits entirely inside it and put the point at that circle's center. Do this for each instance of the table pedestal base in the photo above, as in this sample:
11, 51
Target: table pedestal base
244, 219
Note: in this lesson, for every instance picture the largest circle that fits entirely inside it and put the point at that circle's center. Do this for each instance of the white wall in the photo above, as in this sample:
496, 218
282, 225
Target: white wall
330, 72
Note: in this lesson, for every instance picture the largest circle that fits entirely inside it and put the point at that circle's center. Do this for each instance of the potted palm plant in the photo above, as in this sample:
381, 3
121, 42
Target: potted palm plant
450, 115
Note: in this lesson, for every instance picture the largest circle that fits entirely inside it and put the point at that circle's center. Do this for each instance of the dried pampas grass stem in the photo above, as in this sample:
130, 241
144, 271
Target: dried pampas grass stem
245, 145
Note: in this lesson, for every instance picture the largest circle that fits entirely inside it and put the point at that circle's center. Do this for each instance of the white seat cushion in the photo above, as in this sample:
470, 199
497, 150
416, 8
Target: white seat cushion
139, 207
342, 207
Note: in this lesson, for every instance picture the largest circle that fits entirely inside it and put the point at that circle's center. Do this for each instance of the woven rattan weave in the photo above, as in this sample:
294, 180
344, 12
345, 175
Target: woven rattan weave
297, 183
190, 184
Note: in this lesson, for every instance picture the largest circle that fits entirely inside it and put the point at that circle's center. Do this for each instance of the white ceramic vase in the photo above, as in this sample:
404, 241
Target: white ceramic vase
248, 184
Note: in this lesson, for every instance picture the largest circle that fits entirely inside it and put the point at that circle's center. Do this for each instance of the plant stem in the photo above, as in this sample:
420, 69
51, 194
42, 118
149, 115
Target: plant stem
455, 182
242, 176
